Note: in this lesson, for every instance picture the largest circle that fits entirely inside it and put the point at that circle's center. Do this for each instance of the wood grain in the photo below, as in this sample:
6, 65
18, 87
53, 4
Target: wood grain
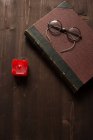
85, 8
41, 106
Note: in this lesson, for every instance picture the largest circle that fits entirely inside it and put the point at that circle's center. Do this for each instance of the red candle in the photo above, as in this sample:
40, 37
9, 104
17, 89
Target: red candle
19, 67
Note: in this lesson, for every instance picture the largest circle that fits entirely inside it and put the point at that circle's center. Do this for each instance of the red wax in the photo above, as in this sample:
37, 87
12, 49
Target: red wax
19, 67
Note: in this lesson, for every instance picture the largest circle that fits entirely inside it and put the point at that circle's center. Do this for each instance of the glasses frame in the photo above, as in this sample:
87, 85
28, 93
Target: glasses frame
72, 36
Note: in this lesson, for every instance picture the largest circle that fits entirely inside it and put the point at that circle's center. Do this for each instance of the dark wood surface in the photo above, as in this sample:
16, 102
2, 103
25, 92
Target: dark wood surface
40, 107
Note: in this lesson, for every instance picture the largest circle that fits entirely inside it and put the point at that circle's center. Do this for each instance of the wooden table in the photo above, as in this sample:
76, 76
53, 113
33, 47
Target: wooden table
41, 107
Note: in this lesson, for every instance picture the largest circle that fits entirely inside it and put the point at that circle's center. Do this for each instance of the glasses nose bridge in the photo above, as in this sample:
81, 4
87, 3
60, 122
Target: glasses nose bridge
55, 27
64, 30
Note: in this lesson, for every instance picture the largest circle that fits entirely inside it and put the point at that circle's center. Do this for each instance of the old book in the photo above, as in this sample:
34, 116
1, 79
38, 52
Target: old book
76, 65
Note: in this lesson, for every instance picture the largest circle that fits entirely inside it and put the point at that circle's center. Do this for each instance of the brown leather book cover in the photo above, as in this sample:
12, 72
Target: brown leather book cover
75, 65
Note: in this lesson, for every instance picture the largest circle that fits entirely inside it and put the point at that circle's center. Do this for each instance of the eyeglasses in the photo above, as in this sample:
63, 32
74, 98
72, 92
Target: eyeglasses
73, 34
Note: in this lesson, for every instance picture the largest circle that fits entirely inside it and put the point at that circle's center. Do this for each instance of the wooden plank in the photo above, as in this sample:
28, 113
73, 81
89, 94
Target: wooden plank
80, 6
84, 8
90, 12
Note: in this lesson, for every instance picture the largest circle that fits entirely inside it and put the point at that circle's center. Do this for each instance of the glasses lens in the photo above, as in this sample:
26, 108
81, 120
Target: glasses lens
55, 27
74, 34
